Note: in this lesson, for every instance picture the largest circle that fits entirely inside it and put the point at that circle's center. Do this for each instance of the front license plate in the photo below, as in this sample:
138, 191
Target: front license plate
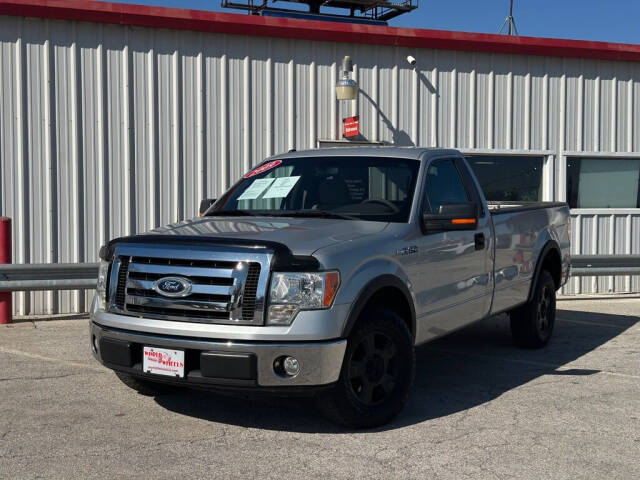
162, 361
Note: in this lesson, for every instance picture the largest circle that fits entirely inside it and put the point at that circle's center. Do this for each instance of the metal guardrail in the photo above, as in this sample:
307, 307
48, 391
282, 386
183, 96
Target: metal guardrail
72, 276
601, 265
47, 276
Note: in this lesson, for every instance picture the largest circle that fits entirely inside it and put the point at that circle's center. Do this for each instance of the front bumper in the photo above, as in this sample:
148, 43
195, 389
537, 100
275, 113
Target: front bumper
246, 364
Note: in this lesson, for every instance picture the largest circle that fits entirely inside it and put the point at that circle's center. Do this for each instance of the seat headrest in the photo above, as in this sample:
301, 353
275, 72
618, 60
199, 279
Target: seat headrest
332, 192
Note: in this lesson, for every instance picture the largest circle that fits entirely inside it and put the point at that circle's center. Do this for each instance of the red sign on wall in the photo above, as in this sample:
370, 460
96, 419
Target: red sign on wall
351, 126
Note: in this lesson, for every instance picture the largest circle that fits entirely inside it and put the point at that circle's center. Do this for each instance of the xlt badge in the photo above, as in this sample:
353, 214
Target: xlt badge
407, 250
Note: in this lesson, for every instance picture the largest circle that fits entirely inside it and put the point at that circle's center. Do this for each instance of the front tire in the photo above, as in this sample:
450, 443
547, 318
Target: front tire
377, 373
532, 324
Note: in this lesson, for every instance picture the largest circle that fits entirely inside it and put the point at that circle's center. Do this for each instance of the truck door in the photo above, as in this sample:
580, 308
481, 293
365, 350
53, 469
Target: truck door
453, 271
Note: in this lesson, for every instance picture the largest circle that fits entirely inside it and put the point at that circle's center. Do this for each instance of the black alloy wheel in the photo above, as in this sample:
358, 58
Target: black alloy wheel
532, 323
373, 368
544, 310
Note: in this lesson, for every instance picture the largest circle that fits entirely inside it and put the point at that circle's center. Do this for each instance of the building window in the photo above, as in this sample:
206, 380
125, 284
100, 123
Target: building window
509, 178
603, 182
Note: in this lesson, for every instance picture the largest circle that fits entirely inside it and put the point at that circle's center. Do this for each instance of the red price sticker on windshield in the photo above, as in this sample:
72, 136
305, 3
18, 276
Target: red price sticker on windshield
263, 168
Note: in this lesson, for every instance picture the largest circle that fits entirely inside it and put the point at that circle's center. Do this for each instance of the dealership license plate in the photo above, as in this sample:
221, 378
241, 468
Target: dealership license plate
163, 361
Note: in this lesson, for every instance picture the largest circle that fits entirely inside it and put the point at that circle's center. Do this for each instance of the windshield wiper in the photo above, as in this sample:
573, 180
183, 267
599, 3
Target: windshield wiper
317, 213
232, 213
295, 213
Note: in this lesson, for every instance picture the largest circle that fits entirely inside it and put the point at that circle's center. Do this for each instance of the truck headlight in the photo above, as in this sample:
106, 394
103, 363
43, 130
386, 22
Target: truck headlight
291, 292
103, 279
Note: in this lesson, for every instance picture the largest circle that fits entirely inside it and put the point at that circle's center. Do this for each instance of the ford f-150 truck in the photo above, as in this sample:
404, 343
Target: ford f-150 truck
319, 272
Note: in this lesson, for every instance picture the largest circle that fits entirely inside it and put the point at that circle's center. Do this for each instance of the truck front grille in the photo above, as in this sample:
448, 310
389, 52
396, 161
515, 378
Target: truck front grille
122, 281
222, 291
250, 288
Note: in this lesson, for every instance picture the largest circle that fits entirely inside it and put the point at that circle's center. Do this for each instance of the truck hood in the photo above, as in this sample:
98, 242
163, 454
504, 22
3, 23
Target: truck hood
303, 236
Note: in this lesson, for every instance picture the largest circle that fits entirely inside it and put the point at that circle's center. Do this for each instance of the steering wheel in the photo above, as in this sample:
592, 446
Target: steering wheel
386, 203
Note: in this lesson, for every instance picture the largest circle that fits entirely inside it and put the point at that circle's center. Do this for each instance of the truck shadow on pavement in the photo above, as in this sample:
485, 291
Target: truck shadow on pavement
455, 373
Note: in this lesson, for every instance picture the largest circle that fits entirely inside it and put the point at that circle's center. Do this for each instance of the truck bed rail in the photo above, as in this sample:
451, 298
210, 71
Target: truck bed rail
512, 207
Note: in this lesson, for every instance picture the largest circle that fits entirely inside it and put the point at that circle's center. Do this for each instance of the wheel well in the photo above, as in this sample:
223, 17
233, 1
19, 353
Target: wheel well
393, 299
553, 264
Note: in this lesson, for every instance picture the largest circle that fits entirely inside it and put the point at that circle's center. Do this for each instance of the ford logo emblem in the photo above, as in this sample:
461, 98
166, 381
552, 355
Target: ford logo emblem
173, 286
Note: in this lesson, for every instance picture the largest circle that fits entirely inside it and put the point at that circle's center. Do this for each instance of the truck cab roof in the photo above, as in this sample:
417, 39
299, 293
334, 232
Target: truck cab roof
415, 153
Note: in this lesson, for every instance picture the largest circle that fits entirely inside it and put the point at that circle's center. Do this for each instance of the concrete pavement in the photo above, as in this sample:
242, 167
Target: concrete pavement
480, 409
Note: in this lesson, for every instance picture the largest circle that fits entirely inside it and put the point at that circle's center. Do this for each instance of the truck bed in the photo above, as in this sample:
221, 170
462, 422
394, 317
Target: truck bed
512, 207
521, 230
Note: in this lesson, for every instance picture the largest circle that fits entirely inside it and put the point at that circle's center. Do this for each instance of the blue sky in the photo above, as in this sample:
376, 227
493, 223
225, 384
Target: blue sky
605, 20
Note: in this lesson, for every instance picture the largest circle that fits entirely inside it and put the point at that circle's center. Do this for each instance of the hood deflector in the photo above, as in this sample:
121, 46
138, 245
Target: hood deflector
283, 258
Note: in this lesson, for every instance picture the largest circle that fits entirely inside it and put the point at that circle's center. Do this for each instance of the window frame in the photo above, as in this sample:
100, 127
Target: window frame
425, 204
594, 155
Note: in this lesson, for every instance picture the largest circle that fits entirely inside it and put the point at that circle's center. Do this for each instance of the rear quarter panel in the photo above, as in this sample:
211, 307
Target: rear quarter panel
519, 240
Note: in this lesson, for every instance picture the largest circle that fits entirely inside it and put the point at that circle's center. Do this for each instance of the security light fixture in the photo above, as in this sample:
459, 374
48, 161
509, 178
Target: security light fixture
347, 87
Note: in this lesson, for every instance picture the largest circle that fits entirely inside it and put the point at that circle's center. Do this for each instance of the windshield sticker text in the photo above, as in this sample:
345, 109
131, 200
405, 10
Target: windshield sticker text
256, 188
281, 187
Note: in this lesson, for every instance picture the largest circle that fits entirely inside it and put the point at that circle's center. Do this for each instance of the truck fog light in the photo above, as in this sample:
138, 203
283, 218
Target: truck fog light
94, 344
291, 366
286, 366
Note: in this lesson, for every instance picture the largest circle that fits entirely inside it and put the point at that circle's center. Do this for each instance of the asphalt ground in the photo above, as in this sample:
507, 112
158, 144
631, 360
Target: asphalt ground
481, 408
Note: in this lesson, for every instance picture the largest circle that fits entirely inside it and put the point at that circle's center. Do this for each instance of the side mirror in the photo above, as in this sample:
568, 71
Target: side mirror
205, 204
451, 216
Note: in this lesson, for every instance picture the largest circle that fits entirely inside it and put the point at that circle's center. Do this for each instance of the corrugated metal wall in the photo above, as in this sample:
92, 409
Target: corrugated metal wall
616, 232
107, 130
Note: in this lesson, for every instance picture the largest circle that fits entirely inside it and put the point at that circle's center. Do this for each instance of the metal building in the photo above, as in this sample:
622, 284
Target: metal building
115, 118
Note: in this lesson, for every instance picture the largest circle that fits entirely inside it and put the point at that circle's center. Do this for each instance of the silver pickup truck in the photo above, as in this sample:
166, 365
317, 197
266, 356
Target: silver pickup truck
319, 272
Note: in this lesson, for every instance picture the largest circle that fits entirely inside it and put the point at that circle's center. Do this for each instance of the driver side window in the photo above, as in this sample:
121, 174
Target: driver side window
444, 185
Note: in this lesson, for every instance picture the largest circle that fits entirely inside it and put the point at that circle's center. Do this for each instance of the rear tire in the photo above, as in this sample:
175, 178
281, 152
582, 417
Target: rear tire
377, 372
145, 387
532, 323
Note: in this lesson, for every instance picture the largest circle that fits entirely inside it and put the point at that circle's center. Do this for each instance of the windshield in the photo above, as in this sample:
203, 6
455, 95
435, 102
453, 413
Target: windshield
363, 188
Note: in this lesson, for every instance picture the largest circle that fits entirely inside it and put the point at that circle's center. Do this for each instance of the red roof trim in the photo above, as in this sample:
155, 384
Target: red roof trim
197, 20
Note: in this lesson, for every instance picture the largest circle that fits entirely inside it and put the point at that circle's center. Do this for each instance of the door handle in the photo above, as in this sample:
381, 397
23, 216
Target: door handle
479, 240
